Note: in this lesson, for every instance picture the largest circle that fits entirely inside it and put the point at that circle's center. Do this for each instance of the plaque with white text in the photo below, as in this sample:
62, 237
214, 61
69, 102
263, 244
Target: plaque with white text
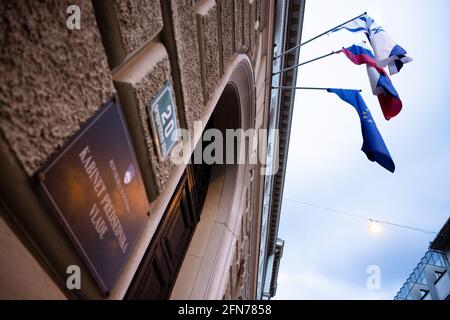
95, 187
164, 120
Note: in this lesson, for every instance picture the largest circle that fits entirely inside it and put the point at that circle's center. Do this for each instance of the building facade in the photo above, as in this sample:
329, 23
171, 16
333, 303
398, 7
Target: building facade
430, 280
103, 107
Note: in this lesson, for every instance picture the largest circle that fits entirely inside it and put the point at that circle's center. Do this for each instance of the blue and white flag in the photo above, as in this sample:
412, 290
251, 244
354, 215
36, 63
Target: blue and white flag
387, 52
373, 143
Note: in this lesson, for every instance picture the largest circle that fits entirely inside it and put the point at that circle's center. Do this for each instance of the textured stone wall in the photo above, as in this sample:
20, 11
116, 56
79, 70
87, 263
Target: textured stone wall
53, 78
238, 25
126, 26
239, 286
135, 99
210, 37
247, 34
227, 30
246, 24
139, 20
130, 31
188, 57
201, 44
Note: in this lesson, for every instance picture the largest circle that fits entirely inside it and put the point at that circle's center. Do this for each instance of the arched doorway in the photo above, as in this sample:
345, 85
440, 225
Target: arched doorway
199, 228
204, 272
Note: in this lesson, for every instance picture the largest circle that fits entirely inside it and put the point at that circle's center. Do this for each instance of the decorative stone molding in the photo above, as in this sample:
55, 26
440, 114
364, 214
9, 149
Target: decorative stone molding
204, 273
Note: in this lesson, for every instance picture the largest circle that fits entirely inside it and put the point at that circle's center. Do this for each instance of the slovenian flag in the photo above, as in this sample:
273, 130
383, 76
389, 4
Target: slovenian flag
381, 84
387, 52
373, 143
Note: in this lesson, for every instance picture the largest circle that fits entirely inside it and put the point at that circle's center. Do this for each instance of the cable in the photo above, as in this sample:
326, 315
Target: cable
328, 209
407, 227
361, 217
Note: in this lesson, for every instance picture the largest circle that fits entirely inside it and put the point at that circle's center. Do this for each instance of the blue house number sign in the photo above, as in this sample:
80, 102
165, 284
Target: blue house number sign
163, 119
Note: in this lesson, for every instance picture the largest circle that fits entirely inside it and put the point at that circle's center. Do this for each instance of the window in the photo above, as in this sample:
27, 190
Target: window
421, 279
424, 260
438, 274
437, 260
403, 293
423, 293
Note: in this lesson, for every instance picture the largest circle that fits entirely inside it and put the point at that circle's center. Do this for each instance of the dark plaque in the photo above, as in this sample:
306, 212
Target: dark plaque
163, 119
96, 190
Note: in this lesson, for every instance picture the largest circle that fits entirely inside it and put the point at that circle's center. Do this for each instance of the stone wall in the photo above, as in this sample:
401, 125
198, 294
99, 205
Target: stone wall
54, 79
239, 285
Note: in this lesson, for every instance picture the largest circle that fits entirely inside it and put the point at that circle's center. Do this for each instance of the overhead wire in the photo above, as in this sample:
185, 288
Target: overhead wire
361, 217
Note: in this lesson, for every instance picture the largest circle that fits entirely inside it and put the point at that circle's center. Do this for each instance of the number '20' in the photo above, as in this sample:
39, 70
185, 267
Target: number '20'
165, 117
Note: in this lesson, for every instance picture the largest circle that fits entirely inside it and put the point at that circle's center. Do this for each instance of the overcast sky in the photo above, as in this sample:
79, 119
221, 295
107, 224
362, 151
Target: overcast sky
326, 256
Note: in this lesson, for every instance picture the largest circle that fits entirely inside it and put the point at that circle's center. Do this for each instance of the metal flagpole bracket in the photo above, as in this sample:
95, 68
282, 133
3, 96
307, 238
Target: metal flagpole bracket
306, 62
308, 88
316, 37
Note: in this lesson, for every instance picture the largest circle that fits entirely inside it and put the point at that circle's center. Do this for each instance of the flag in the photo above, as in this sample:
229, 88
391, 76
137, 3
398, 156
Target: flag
381, 84
387, 52
373, 143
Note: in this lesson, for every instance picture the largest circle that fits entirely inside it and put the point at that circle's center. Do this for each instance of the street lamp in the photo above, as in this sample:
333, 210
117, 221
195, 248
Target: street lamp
374, 226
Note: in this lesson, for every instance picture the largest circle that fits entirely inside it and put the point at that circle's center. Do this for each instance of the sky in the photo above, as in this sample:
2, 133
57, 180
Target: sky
326, 255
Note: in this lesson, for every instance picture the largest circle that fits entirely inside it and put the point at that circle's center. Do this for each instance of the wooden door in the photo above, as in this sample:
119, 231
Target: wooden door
159, 268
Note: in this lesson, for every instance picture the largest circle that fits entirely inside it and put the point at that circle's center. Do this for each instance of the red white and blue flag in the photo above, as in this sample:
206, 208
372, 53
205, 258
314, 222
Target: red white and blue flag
381, 84
387, 52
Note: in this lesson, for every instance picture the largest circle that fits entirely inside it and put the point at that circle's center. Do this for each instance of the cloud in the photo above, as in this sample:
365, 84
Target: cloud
326, 255
313, 285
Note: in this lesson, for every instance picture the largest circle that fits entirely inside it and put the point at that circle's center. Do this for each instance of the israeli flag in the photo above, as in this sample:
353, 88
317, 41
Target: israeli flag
387, 52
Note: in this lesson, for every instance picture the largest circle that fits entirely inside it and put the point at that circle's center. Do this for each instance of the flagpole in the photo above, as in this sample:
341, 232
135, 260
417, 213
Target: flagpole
316, 37
307, 88
306, 62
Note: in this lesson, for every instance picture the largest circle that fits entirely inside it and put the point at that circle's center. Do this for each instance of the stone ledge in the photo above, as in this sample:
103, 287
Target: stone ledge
137, 83
126, 25
188, 55
210, 39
